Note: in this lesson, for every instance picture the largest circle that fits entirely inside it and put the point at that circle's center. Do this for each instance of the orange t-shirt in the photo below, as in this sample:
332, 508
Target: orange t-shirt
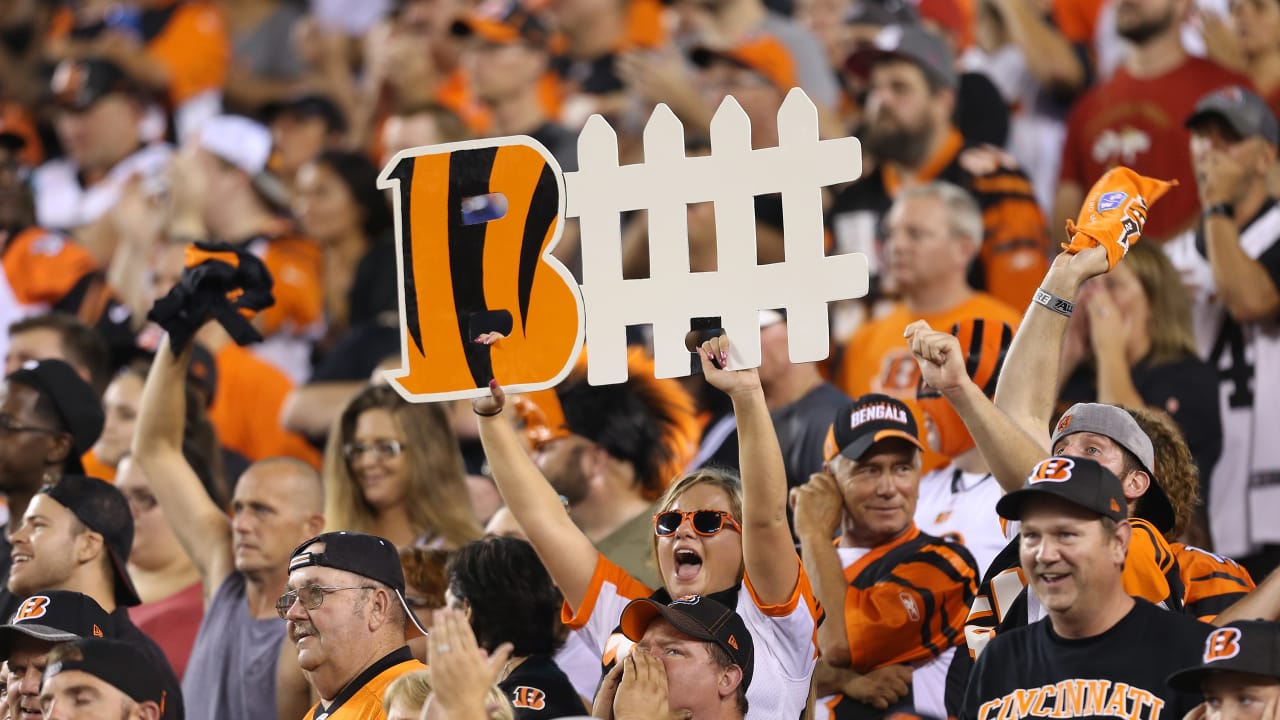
878, 359
195, 48
246, 408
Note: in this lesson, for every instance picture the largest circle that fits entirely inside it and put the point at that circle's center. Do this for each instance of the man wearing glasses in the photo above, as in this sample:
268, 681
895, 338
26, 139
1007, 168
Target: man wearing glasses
905, 594
346, 613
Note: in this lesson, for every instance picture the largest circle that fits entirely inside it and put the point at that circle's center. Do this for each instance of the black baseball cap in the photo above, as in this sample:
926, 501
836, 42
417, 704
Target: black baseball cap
78, 84
1245, 112
1243, 646
76, 404
698, 617
56, 616
365, 555
103, 509
120, 665
310, 105
1080, 481
865, 422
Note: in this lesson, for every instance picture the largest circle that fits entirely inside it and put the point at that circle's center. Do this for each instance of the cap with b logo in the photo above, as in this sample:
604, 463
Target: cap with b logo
867, 421
1243, 646
56, 616
1077, 480
700, 618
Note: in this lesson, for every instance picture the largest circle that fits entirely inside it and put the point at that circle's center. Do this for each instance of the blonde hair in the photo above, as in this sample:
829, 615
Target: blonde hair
1172, 337
721, 478
415, 688
437, 500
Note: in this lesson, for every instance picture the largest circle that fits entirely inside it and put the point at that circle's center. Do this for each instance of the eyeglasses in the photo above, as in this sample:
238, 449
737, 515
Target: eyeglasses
9, 424
705, 522
311, 596
381, 450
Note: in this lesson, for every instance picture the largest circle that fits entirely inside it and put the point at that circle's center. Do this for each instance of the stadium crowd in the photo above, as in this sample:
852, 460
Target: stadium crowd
1030, 480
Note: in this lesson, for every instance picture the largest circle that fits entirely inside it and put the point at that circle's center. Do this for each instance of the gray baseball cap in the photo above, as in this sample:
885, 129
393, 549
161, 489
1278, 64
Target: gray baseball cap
1116, 423
913, 44
1244, 111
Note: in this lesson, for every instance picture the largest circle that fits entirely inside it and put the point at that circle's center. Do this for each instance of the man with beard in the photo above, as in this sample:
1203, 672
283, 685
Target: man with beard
1135, 117
932, 233
43, 271
610, 451
909, 133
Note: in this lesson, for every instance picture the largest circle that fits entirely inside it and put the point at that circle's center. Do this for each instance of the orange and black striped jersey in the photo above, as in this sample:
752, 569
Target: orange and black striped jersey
362, 698
906, 600
1213, 583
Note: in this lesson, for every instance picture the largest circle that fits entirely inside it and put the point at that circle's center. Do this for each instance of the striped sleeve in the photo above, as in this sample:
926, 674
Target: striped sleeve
1150, 569
610, 590
916, 612
1213, 583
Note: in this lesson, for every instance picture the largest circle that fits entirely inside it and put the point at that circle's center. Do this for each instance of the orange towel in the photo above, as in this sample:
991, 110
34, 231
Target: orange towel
1114, 213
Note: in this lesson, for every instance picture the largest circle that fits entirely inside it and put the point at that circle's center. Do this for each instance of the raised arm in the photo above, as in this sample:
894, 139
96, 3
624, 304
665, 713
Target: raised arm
1028, 384
1010, 452
568, 554
818, 507
201, 526
767, 548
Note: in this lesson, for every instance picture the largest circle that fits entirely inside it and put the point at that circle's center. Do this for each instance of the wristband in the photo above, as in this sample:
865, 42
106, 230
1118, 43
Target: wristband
495, 413
1062, 306
1226, 210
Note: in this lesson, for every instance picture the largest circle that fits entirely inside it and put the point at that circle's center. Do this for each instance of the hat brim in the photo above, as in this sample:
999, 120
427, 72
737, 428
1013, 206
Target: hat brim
412, 628
1192, 679
126, 593
1208, 113
32, 630
1010, 505
640, 614
856, 449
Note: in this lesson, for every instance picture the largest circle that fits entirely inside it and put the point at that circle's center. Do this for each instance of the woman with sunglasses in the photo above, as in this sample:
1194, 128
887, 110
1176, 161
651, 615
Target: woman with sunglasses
711, 537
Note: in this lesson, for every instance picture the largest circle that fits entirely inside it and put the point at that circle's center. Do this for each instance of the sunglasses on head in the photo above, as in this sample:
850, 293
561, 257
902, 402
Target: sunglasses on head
705, 522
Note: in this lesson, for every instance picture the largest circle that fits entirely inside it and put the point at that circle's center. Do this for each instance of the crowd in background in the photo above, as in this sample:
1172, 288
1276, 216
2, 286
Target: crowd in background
247, 473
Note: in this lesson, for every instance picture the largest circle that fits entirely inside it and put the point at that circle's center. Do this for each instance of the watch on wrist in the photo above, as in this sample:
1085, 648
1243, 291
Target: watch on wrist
1226, 210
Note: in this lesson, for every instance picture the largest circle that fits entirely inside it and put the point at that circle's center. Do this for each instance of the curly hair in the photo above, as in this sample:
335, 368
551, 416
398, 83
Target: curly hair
511, 596
1175, 468
424, 571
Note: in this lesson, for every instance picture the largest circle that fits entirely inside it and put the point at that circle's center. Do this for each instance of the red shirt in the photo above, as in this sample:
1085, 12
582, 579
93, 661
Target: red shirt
173, 623
1138, 123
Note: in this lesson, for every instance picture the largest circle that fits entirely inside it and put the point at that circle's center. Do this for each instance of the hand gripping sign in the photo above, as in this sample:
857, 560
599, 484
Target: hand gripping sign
476, 222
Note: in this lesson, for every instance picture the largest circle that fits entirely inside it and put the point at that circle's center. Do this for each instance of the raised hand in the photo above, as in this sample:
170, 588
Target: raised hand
642, 693
939, 356
714, 354
461, 672
818, 505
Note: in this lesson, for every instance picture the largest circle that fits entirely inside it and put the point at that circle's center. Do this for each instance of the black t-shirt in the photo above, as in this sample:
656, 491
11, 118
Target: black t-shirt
802, 429
1032, 672
539, 689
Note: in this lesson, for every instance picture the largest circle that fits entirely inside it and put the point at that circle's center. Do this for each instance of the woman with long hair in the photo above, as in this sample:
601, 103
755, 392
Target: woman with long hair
393, 469
712, 536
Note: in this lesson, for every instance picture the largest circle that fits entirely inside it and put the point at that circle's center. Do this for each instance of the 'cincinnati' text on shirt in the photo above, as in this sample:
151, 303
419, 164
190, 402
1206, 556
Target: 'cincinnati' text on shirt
1075, 698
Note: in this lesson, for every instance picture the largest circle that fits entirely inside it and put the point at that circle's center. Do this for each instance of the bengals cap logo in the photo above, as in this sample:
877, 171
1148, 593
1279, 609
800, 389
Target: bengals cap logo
529, 697
1063, 424
1053, 470
1222, 644
475, 225
34, 607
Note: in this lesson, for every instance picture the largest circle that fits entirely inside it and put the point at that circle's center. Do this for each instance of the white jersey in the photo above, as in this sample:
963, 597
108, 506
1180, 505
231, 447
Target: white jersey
62, 203
784, 636
1244, 487
961, 507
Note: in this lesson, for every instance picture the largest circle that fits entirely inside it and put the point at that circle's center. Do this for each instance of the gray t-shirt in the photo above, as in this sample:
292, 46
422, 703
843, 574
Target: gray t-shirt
232, 670
812, 69
267, 49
